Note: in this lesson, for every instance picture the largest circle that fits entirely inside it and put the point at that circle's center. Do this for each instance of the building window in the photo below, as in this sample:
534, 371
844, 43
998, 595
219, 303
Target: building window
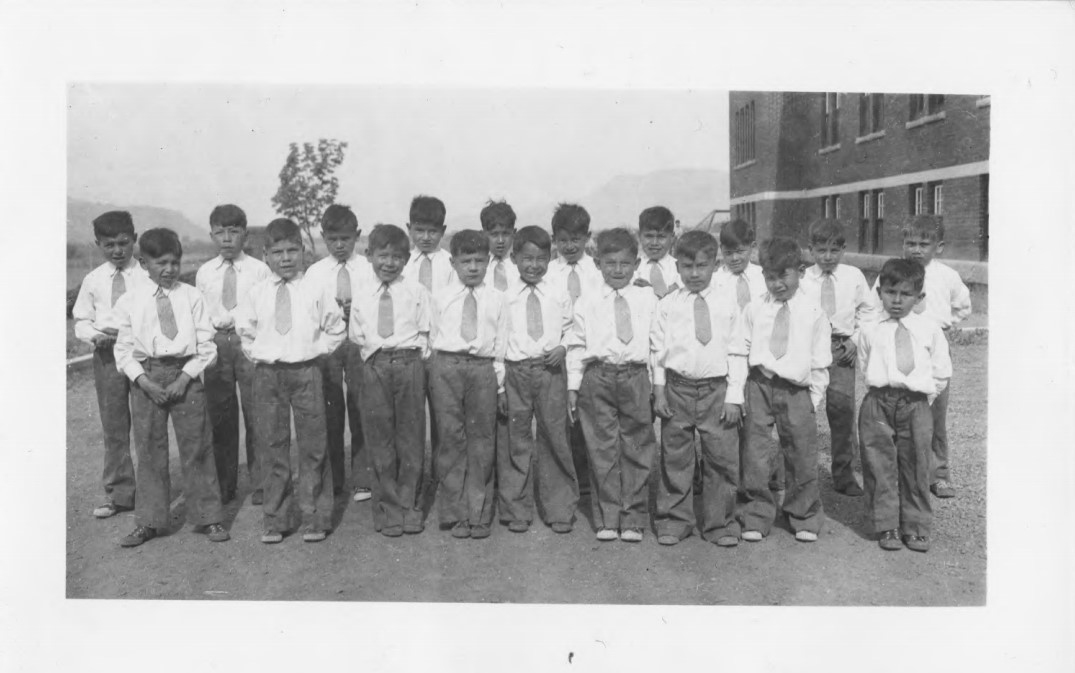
826, 207
924, 105
744, 134
878, 222
871, 113
836, 208
746, 212
864, 221
983, 219
830, 119
938, 199
871, 221
918, 203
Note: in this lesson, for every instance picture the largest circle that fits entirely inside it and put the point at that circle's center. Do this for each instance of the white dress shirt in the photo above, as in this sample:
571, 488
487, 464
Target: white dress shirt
726, 283
511, 272
877, 355
317, 325
666, 264
809, 351
593, 336
445, 332
675, 345
411, 317
140, 335
326, 270
249, 271
556, 320
854, 306
590, 278
93, 306
443, 272
947, 300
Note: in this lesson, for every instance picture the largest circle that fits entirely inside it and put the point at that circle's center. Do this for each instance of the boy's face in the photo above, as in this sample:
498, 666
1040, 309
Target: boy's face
782, 283
229, 240
618, 268
163, 270
425, 236
117, 249
532, 261
570, 246
696, 273
285, 257
471, 267
500, 237
899, 299
388, 262
341, 244
921, 248
827, 255
737, 259
656, 244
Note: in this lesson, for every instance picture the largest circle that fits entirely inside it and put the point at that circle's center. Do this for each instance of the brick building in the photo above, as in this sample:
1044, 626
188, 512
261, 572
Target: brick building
869, 159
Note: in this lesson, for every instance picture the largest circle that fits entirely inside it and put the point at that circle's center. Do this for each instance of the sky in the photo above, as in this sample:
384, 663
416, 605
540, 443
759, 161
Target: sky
190, 147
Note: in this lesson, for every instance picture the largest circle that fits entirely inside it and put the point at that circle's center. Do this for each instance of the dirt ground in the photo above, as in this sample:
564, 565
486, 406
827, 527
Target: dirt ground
845, 567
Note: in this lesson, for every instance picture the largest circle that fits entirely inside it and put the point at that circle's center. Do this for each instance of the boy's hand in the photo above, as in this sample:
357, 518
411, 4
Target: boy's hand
573, 405
102, 341
178, 388
641, 282
847, 358
660, 403
345, 306
502, 404
154, 391
555, 357
732, 415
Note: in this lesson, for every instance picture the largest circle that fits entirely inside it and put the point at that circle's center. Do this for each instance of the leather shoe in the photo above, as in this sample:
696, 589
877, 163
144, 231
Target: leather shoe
138, 536
217, 533
890, 540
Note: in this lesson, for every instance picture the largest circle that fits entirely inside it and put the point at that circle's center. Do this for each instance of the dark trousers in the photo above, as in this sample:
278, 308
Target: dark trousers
394, 423
696, 406
434, 435
231, 369
280, 388
194, 437
895, 428
788, 406
344, 363
939, 444
464, 388
840, 409
113, 401
617, 422
536, 392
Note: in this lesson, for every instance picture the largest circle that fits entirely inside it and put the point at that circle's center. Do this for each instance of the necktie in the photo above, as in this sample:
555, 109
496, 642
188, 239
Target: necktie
425, 272
656, 279
343, 284
920, 306
534, 326
778, 343
228, 294
624, 332
703, 329
468, 326
119, 286
283, 308
165, 315
500, 276
742, 291
574, 287
828, 295
386, 322
904, 354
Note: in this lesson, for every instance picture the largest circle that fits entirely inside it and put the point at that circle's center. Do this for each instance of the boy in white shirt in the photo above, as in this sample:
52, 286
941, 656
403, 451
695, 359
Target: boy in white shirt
498, 223
738, 278
656, 234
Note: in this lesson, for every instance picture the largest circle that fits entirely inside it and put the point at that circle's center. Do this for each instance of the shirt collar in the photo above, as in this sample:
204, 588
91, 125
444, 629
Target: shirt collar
277, 279
539, 287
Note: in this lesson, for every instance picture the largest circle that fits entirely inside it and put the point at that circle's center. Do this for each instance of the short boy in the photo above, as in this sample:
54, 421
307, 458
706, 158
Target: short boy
165, 343
336, 274
608, 382
844, 296
699, 368
657, 233
498, 223
224, 281
738, 278
536, 387
906, 365
286, 324
100, 290
947, 303
390, 322
469, 326
788, 338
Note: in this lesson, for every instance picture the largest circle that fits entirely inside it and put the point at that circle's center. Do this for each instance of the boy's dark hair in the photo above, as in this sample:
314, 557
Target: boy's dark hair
469, 242
427, 210
736, 234
616, 240
282, 229
497, 213
389, 236
227, 215
827, 230
926, 225
338, 218
899, 270
570, 219
535, 236
779, 253
158, 242
113, 223
656, 218
696, 242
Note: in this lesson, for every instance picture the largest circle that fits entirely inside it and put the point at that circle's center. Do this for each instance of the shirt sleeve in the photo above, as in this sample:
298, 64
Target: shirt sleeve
424, 320
576, 348
84, 313
820, 359
567, 320
657, 347
737, 361
246, 322
124, 349
940, 361
500, 343
203, 332
960, 298
866, 310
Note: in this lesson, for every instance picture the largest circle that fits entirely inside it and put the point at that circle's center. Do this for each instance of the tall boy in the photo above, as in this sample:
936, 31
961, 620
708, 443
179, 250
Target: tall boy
906, 364
101, 289
165, 343
699, 368
657, 233
608, 382
286, 324
788, 338
843, 294
335, 274
390, 322
536, 387
224, 281
498, 223
469, 326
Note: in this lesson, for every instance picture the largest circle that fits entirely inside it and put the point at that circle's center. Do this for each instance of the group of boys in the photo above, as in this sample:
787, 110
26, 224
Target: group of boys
542, 375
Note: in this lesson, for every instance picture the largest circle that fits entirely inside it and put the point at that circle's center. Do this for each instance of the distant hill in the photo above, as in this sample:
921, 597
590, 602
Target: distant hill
80, 216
